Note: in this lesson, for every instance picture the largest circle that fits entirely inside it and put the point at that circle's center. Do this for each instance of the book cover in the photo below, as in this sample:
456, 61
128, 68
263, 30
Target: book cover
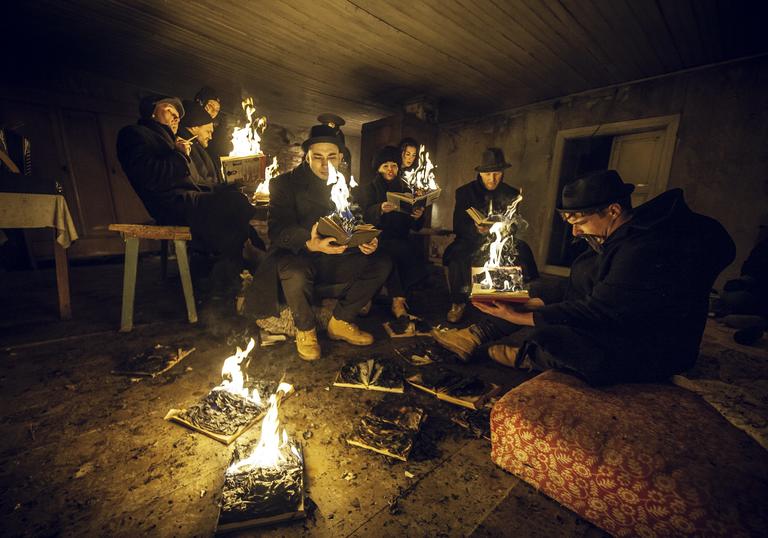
481, 219
407, 202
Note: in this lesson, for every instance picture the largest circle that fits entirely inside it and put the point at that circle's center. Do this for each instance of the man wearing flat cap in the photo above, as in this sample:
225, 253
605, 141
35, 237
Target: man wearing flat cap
159, 165
302, 265
637, 301
486, 190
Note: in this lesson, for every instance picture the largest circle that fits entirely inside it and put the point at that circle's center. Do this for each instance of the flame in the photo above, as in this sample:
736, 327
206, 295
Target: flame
271, 171
422, 178
232, 373
269, 450
502, 233
247, 140
340, 195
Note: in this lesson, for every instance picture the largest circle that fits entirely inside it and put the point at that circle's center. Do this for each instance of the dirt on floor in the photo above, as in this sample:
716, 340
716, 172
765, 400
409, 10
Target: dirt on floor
87, 453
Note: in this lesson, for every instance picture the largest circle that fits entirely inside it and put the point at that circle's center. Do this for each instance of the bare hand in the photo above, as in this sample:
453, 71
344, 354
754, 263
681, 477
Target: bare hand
326, 245
370, 247
505, 312
387, 207
417, 213
482, 230
183, 146
533, 304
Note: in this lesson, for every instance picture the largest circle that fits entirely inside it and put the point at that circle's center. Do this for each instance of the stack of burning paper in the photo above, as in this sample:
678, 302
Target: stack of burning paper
232, 407
372, 374
246, 163
342, 224
500, 279
389, 430
264, 483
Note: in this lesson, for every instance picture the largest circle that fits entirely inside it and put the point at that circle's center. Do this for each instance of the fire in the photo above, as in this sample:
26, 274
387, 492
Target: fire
340, 195
273, 170
247, 140
232, 373
269, 451
502, 261
422, 178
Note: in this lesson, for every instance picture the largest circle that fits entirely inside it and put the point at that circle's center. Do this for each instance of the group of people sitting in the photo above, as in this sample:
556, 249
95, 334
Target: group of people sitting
636, 302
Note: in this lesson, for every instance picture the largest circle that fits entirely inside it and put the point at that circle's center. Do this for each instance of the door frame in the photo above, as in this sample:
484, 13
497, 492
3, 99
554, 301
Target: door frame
668, 123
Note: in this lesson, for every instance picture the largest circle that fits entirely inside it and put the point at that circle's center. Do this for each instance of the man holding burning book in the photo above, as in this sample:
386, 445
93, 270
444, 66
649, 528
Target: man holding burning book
638, 299
301, 263
489, 195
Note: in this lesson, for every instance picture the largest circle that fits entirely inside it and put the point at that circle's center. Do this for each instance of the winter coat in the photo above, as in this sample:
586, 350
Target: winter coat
651, 288
393, 225
161, 175
297, 199
208, 174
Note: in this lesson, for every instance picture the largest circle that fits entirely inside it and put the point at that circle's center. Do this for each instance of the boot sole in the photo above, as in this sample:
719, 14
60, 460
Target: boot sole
307, 358
342, 339
463, 355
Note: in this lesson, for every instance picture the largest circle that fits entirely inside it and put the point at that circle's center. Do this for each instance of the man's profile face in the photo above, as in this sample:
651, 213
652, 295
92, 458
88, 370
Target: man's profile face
409, 155
320, 155
388, 170
212, 106
491, 180
166, 114
204, 133
596, 224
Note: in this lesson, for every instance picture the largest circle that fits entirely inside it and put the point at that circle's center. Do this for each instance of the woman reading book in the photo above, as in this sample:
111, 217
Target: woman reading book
409, 266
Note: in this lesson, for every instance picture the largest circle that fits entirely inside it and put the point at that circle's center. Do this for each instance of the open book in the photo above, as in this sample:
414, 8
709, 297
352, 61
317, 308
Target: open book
332, 227
502, 279
407, 202
481, 294
480, 218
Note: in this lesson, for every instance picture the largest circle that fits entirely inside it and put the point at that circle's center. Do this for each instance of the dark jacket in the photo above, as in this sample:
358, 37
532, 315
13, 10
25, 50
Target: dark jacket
651, 288
158, 172
208, 174
394, 225
297, 199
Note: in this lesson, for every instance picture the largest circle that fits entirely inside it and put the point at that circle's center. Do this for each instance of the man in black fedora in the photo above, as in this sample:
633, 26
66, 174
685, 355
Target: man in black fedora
486, 190
637, 301
299, 260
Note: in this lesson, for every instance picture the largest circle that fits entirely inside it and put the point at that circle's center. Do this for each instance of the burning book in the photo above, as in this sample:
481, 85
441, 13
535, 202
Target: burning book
482, 219
421, 181
452, 387
502, 284
372, 374
406, 202
261, 194
246, 163
343, 234
407, 326
153, 361
389, 430
422, 353
264, 483
233, 406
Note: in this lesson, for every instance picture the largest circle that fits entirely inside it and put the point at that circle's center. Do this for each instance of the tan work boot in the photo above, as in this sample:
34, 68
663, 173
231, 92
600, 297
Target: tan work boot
307, 345
398, 307
456, 312
462, 342
349, 332
507, 355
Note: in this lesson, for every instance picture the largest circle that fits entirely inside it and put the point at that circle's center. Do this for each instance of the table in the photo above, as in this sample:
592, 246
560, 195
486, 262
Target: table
23, 210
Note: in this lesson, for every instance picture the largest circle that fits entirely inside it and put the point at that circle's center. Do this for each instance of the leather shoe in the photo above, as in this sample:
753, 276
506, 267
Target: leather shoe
349, 332
307, 345
462, 342
398, 307
456, 312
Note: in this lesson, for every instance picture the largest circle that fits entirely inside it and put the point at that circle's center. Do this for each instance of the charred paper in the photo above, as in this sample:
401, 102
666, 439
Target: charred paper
153, 361
372, 374
389, 429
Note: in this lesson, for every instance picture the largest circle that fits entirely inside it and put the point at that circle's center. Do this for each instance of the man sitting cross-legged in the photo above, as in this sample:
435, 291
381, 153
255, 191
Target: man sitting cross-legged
299, 259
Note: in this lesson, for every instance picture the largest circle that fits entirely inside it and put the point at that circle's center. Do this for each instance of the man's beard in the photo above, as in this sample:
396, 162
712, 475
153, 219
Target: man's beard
595, 242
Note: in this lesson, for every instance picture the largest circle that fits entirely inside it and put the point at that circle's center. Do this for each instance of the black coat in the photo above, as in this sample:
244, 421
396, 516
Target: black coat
208, 174
393, 225
651, 289
161, 175
297, 199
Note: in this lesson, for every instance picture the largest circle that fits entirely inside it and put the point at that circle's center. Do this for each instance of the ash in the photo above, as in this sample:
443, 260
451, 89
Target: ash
256, 492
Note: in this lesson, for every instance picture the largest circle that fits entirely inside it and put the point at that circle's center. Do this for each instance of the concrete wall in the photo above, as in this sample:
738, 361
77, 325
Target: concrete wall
720, 160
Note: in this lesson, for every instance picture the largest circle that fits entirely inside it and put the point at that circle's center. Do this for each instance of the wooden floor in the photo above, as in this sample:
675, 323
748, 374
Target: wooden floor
87, 453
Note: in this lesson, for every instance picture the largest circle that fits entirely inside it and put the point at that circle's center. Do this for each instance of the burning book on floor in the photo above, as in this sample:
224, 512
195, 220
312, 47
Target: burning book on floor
407, 326
452, 387
346, 234
389, 429
372, 374
233, 406
264, 483
153, 361
503, 284
423, 353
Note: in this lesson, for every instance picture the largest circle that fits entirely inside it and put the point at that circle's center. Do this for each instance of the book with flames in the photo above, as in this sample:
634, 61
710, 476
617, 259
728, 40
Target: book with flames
481, 219
406, 202
346, 234
498, 284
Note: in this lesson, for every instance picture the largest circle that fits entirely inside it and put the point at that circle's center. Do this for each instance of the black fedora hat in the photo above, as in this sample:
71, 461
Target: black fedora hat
492, 161
594, 191
324, 133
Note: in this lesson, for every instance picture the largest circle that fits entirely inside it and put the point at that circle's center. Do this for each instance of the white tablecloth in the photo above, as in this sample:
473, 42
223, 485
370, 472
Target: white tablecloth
22, 210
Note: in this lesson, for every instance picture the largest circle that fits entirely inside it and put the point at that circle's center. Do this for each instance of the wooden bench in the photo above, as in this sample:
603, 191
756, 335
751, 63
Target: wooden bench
132, 233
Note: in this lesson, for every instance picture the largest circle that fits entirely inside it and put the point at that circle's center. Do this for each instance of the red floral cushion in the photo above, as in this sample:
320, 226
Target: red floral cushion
635, 460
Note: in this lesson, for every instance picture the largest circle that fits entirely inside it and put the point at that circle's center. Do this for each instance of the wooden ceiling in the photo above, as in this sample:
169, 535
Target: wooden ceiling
363, 58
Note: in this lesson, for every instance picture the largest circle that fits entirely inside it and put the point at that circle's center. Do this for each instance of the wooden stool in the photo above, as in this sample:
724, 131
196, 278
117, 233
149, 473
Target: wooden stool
132, 233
